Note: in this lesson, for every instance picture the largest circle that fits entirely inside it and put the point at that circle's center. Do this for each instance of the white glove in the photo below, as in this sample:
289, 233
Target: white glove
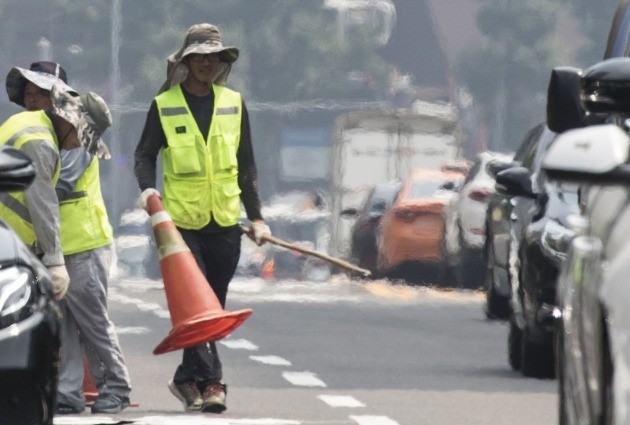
60, 280
144, 197
260, 229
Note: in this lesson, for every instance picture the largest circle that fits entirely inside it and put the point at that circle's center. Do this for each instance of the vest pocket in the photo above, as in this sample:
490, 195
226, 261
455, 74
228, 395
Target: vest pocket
184, 158
226, 152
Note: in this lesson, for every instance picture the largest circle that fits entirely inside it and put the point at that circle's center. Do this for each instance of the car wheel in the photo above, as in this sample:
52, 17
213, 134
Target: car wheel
469, 271
537, 360
497, 306
22, 402
515, 337
607, 384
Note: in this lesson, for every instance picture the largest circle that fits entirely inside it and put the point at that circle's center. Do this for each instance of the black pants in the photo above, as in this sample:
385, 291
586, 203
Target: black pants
217, 255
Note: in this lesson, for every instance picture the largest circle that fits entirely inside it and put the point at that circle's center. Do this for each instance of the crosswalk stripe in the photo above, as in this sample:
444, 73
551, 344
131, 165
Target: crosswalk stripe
303, 379
239, 344
373, 420
271, 360
340, 401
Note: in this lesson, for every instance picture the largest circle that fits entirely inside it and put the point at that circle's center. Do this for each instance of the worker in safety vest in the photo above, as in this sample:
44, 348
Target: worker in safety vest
86, 241
34, 213
202, 129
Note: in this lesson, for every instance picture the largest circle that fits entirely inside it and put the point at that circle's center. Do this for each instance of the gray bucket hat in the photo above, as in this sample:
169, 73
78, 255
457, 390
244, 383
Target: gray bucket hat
43, 74
88, 113
201, 39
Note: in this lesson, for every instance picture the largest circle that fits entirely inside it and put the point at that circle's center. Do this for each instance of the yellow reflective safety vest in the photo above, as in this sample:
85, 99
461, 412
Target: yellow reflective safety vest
18, 130
84, 221
201, 176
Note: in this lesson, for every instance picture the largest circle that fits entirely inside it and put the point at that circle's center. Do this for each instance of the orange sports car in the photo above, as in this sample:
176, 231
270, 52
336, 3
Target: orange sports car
412, 228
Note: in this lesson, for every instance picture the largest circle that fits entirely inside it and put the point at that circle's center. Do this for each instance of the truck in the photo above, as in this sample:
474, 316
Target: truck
373, 147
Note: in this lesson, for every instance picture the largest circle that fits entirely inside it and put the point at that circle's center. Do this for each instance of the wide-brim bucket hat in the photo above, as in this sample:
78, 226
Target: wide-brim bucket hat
88, 114
18, 77
200, 39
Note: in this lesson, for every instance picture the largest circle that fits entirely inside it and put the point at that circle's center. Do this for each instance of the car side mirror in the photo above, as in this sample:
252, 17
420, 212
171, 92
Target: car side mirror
17, 171
595, 154
515, 181
495, 166
564, 106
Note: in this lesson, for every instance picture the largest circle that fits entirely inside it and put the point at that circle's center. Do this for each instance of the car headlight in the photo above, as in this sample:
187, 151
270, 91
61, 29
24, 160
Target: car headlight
15, 293
556, 240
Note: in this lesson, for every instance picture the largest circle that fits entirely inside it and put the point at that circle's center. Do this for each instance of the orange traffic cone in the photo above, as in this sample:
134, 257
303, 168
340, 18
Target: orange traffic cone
196, 313
90, 392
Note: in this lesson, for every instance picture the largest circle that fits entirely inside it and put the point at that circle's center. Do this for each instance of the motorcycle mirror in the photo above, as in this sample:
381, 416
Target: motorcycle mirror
17, 171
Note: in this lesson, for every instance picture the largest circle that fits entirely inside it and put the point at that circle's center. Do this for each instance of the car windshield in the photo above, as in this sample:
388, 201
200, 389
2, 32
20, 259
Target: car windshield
425, 188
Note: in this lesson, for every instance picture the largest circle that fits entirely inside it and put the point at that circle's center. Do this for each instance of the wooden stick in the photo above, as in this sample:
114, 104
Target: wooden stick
364, 272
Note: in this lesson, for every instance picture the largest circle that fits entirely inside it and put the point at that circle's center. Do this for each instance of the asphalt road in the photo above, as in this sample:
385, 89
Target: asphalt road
335, 353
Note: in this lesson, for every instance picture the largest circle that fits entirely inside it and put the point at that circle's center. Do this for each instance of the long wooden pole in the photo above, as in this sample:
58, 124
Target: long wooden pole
363, 272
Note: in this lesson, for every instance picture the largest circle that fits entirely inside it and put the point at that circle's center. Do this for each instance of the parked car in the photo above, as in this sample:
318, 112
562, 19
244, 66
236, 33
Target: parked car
363, 250
498, 223
464, 222
539, 241
29, 316
411, 230
593, 349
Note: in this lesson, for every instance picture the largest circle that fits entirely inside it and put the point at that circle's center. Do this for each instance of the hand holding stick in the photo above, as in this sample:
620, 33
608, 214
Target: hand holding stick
363, 272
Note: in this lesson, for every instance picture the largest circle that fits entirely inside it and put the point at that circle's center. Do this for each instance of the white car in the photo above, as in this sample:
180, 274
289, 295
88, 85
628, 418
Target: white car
465, 216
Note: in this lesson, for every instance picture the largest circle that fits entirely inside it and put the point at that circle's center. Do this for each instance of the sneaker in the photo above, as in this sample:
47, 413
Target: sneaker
110, 403
66, 409
187, 393
214, 398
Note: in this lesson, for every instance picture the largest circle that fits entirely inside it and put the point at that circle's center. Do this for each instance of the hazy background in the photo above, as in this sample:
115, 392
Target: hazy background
305, 62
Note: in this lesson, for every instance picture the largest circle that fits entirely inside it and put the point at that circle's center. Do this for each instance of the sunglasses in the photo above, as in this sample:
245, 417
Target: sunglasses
210, 57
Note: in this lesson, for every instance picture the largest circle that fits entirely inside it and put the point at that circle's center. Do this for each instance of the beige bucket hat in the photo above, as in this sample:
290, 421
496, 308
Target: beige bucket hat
201, 39
43, 74
88, 113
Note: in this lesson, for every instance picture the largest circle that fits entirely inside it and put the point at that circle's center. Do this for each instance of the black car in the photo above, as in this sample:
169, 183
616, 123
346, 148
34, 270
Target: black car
498, 224
29, 317
363, 250
539, 242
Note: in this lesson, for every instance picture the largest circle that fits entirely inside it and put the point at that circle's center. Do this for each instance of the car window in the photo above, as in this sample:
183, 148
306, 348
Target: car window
619, 37
528, 145
425, 188
381, 197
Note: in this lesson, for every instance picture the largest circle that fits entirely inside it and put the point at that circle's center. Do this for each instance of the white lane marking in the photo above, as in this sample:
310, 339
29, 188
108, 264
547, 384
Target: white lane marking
132, 330
140, 304
340, 401
173, 420
271, 360
239, 344
303, 379
373, 420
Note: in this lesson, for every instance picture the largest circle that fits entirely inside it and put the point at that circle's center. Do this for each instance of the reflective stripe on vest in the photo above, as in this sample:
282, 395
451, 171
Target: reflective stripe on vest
201, 176
18, 130
84, 221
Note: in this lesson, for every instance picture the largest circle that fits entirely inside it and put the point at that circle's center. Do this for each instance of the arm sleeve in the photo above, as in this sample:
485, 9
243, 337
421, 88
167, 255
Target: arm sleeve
42, 202
247, 172
151, 141
74, 162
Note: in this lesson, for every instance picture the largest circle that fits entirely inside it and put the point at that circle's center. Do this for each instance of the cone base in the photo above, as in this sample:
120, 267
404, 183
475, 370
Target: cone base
207, 327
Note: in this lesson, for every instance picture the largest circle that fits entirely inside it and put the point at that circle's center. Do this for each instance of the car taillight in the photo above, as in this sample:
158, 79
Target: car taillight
480, 195
268, 269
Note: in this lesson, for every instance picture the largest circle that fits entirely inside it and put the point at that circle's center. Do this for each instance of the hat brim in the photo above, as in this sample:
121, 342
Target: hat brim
69, 106
18, 77
228, 53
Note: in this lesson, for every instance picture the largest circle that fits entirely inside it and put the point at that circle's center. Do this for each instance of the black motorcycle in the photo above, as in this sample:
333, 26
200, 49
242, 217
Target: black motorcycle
29, 316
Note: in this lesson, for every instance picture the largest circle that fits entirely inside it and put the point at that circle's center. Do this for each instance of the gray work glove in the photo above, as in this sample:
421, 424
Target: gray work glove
259, 229
60, 280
